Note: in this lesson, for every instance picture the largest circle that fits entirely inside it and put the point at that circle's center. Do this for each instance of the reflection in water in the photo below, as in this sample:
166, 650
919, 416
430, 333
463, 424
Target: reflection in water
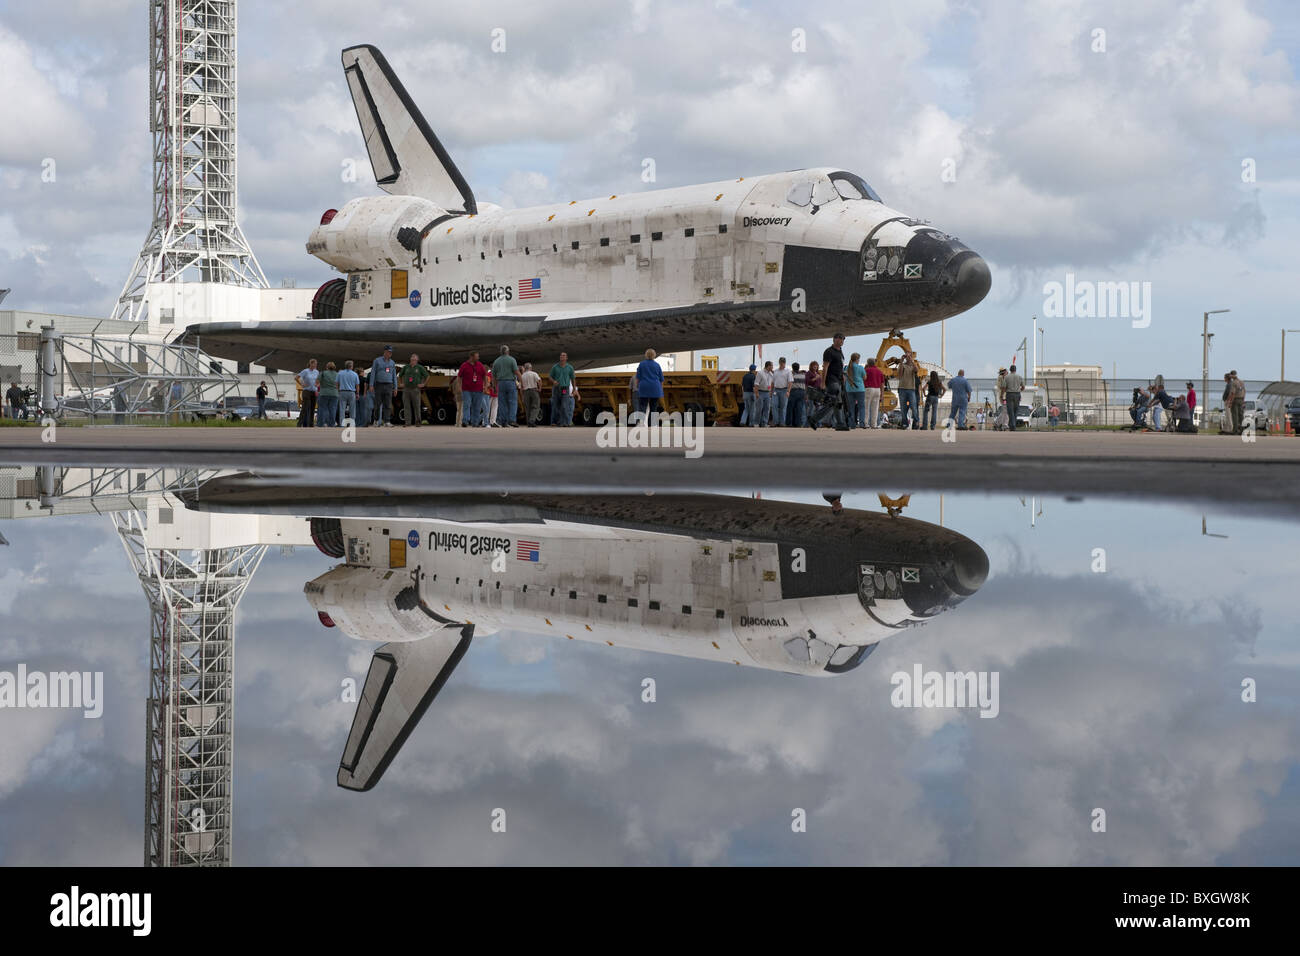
1121, 690
788, 587
193, 574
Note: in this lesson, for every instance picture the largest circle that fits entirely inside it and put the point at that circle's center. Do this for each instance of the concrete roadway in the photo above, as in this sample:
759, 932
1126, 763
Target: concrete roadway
1265, 472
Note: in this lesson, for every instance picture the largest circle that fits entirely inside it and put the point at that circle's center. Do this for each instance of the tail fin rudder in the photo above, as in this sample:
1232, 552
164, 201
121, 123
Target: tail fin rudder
407, 158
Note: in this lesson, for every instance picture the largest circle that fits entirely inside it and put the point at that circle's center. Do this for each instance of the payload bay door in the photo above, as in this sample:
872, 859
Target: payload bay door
755, 574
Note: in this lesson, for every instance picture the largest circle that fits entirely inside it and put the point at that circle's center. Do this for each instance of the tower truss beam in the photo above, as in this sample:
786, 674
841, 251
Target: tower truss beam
193, 119
189, 714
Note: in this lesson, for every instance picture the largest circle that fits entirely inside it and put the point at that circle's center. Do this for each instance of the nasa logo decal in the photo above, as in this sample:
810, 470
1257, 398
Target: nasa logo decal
413, 539
414, 299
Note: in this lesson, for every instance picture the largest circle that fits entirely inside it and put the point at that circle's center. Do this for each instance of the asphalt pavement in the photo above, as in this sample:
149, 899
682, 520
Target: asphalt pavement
1262, 472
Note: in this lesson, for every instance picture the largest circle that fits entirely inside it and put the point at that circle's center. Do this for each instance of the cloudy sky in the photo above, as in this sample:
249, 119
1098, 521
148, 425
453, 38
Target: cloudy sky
1118, 690
1116, 164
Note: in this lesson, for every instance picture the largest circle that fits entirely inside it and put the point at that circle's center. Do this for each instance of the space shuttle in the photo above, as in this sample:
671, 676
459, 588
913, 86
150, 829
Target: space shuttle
428, 268
802, 589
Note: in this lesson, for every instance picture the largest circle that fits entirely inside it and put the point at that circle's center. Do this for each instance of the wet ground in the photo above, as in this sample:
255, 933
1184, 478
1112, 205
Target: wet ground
1207, 467
1137, 656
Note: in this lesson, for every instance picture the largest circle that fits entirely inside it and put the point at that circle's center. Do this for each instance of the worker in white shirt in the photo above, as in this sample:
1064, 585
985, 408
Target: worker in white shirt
782, 382
763, 383
532, 383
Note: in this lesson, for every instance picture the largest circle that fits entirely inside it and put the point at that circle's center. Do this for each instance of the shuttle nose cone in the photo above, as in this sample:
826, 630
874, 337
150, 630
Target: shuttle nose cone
972, 280
970, 565
960, 276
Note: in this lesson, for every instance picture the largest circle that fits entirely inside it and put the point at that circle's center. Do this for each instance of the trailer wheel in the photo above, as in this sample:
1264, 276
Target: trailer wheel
589, 414
443, 414
694, 408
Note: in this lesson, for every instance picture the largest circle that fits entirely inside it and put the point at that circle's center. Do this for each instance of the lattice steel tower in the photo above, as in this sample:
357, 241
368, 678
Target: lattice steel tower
190, 713
192, 116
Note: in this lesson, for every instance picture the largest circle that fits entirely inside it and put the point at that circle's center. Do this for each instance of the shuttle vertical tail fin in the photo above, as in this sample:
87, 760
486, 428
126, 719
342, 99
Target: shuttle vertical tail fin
403, 680
406, 156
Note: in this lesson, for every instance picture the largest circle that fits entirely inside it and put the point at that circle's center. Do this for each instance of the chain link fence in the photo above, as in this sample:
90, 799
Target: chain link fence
1105, 402
18, 361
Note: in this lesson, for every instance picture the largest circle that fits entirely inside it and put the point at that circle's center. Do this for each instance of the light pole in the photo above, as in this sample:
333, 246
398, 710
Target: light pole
1282, 376
1031, 375
1205, 360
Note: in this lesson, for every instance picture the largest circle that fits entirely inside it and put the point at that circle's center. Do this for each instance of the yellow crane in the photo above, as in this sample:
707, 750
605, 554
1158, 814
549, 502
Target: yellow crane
889, 366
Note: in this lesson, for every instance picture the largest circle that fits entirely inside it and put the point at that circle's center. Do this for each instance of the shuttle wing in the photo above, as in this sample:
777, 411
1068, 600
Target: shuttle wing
402, 682
407, 158
594, 334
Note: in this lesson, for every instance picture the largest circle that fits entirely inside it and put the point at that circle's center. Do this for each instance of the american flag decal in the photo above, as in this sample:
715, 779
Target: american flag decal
530, 288
528, 551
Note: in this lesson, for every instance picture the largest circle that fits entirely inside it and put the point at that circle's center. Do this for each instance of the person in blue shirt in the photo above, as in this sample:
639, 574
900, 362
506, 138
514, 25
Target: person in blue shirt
649, 384
383, 380
1160, 401
747, 391
348, 382
855, 389
961, 391
308, 380
176, 393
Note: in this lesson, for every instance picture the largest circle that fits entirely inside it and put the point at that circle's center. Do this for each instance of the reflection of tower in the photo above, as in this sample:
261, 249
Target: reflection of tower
194, 569
189, 722
194, 236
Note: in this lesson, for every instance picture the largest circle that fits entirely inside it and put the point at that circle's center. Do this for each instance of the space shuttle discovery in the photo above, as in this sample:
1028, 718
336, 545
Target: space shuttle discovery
429, 269
786, 587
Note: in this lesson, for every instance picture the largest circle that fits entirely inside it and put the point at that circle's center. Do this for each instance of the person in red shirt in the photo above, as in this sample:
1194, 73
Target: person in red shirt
472, 375
812, 379
874, 379
1191, 400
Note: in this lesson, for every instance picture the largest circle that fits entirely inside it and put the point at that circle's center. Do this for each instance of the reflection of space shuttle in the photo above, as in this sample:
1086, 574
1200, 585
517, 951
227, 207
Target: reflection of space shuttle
782, 586
430, 269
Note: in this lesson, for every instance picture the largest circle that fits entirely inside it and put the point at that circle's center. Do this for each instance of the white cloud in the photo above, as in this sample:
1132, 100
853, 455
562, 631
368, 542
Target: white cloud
38, 120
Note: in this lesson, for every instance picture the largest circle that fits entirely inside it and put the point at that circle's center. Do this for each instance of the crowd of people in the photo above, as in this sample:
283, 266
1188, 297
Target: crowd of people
1156, 400
844, 394
486, 396
847, 394
837, 392
1181, 408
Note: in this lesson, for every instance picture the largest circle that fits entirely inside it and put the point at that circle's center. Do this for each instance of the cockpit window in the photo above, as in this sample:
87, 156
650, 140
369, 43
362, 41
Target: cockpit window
843, 653
823, 192
849, 656
835, 660
800, 194
853, 186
